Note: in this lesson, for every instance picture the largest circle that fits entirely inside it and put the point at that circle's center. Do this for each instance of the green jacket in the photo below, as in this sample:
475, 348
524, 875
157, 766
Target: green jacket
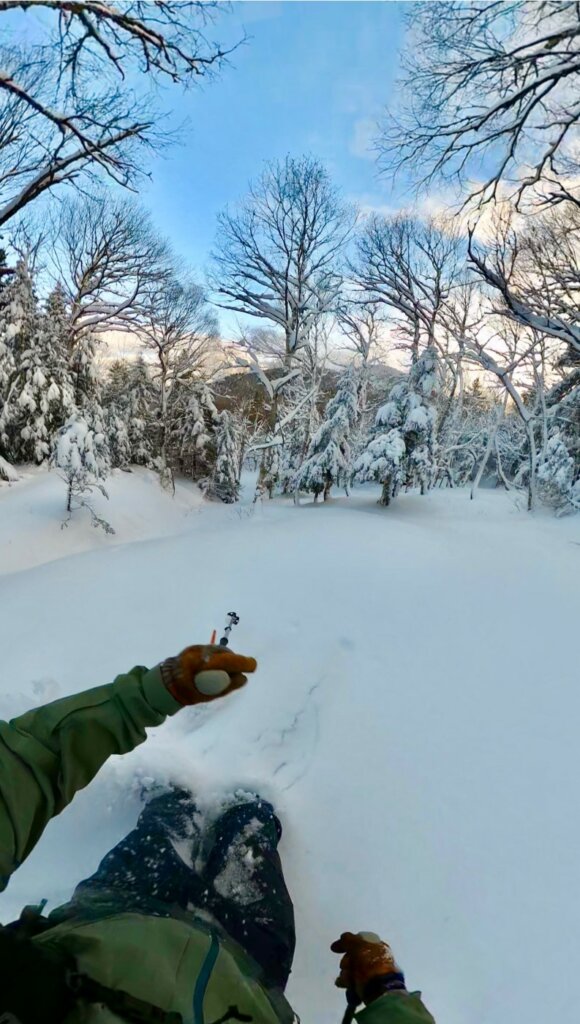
179, 964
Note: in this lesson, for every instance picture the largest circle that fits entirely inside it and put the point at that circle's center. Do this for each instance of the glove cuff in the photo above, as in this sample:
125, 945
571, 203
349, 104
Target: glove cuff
379, 986
172, 676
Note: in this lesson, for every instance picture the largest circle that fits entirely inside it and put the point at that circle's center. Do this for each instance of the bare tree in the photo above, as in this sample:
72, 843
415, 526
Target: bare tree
265, 342
360, 323
277, 256
178, 329
107, 257
461, 320
490, 87
535, 273
274, 381
508, 356
75, 104
410, 266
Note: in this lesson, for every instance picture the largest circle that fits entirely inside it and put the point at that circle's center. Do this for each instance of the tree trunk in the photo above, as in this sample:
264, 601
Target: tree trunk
533, 466
503, 477
163, 440
415, 345
385, 497
484, 461
263, 483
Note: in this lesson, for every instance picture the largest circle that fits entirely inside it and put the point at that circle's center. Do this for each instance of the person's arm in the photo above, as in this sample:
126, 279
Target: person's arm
48, 754
396, 1008
370, 975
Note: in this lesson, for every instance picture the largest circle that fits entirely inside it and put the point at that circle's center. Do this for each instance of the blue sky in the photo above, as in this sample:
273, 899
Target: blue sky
313, 77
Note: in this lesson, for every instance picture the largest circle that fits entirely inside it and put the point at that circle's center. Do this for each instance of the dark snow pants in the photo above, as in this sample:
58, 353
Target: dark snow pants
233, 871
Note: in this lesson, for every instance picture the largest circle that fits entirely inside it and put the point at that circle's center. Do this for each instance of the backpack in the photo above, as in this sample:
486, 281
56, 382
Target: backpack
41, 984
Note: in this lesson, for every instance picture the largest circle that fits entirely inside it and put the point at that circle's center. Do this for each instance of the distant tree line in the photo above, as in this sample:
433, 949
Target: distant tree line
403, 350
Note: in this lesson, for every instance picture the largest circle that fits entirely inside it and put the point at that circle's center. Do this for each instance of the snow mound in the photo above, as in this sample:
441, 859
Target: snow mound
414, 717
7, 472
33, 511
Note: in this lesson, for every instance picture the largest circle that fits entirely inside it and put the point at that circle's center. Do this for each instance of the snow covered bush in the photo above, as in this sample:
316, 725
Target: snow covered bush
81, 456
7, 472
328, 458
556, 477
401, 447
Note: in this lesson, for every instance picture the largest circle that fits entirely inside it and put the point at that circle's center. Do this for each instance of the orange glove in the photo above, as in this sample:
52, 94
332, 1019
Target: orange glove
179, 673
368, 968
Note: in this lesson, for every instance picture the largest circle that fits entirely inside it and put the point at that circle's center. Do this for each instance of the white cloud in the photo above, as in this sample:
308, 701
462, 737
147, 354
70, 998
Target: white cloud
362, 139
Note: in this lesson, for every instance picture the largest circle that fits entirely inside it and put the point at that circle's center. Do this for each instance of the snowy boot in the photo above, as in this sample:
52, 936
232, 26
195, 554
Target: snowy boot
246, 888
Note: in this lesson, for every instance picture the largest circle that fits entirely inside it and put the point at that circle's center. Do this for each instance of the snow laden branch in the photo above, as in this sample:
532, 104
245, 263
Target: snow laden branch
160, 37
535, 287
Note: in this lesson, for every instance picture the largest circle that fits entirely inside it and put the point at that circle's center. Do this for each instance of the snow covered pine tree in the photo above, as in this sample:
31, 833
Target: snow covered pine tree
193, 423
18, 325
81, 455
41, 393
401, 447
225, 481
556, 477
328, 458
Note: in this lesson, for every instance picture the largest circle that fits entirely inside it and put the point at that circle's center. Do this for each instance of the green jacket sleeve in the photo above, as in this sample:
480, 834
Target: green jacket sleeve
396, 1008
50, 753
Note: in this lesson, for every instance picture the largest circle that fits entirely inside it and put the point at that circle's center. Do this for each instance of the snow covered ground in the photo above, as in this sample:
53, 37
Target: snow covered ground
414, 716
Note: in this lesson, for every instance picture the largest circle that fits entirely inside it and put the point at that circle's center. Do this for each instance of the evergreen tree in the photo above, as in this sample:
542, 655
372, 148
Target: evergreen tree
87, 386
41, 394
382, 460
7, 370
564, 424
18, 310
328, 457
6, 356
401, 447
128, 402
225, 480
117, 438
81, 456
116, 407
141, 412
557, 479
194, 421
19, 325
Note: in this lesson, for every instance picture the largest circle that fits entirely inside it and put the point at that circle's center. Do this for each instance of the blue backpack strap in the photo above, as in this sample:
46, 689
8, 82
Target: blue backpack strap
203, 979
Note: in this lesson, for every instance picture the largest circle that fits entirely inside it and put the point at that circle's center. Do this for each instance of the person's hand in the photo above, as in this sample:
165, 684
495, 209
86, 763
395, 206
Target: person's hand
225, 670
368, 968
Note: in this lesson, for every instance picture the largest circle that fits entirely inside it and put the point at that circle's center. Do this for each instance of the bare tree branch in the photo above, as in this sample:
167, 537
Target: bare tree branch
106, 256
277, 256
410, 267
63, 114
490, 93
